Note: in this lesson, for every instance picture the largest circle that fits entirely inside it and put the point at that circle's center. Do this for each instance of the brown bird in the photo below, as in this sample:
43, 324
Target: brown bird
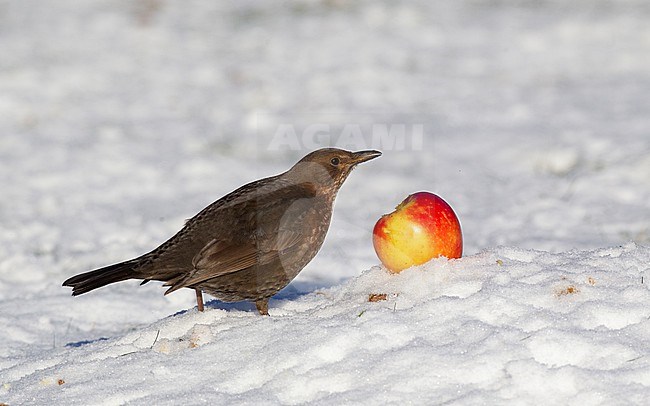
249, 244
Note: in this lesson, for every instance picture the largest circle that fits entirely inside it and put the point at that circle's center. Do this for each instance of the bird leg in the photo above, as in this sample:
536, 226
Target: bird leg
262, 306
199, 299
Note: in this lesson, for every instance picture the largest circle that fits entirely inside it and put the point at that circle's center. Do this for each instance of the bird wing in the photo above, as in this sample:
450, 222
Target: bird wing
219, 258
223, 256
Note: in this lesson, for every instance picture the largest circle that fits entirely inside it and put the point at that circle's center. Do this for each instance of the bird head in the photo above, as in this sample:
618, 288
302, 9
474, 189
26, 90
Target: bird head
329, 167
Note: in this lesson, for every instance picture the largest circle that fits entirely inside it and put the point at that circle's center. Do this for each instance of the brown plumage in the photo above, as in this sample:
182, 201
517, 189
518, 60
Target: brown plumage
249, 244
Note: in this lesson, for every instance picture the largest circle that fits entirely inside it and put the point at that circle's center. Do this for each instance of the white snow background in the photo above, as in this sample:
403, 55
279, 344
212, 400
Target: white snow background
120, 119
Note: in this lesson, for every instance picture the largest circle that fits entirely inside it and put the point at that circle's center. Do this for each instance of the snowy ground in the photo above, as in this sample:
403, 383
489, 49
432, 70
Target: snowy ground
120, 119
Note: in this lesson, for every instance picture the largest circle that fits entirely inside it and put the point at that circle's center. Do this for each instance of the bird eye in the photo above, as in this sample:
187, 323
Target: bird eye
335, 161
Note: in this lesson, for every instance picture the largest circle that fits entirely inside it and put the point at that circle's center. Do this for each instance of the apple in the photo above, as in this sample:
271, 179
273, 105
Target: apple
422, 227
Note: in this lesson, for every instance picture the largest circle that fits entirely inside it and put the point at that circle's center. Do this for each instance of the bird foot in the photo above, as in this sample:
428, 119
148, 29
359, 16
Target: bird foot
199, 299
262, 306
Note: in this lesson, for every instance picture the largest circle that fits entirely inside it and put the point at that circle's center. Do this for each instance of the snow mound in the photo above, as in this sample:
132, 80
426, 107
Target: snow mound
504, 324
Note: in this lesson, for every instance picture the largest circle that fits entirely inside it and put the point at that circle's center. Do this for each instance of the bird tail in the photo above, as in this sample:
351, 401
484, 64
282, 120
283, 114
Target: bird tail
91, 280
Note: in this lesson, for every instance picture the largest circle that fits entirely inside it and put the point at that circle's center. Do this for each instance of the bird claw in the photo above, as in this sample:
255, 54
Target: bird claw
262, 306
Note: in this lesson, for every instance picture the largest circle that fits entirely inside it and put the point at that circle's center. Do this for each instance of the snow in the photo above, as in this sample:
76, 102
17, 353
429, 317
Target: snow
503, 324
119, 120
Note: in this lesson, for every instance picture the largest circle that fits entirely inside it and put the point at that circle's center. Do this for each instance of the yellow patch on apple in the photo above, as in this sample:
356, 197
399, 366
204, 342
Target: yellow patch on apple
422, 227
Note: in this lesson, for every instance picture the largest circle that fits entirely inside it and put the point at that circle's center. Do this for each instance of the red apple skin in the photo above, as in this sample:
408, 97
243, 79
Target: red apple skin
422, 227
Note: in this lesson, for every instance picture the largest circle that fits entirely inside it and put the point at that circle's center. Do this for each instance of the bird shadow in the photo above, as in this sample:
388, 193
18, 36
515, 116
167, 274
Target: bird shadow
81, 343
293, 291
